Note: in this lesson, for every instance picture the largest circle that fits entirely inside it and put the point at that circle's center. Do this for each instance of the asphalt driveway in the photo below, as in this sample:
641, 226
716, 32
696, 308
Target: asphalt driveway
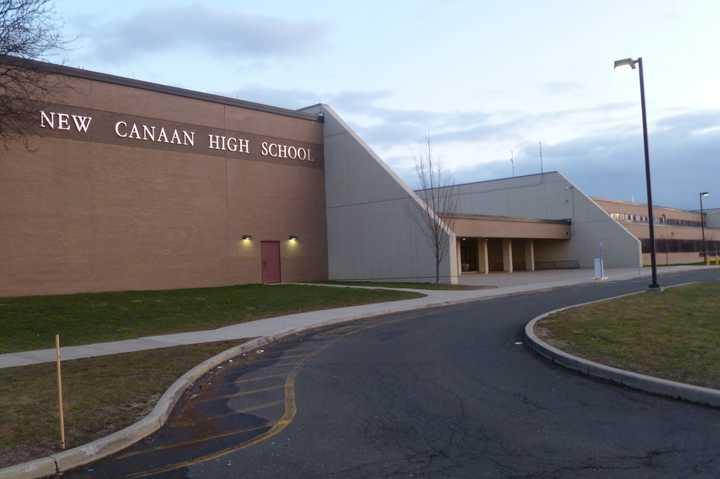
450, 392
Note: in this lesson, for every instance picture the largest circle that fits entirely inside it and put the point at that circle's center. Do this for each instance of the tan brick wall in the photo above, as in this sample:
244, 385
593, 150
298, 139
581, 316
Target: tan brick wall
89, 216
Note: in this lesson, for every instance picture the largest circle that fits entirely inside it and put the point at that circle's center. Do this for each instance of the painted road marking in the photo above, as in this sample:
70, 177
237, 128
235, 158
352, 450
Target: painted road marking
289, 411
236, 412
192, 442
257, 407
279, 426
243, 393
259, 378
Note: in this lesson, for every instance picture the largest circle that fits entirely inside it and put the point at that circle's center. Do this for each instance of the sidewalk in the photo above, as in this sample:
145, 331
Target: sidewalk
523, 277
282, 324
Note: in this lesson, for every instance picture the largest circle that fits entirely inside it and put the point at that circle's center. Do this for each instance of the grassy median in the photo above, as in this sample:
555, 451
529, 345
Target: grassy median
674, 334
102, 395
31, 322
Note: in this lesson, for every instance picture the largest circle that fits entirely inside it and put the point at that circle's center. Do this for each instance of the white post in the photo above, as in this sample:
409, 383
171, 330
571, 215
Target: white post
483, 263
529, 255
507, 255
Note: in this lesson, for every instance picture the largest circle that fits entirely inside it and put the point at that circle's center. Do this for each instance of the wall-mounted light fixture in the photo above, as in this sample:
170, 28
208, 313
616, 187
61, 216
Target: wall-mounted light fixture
246, 237
292, 238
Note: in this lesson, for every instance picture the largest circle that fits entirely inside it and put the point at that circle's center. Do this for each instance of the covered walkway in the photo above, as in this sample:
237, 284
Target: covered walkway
502, 244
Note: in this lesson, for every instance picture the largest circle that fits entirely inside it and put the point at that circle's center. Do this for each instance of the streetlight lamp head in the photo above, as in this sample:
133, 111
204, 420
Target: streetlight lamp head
625, 62
705, 193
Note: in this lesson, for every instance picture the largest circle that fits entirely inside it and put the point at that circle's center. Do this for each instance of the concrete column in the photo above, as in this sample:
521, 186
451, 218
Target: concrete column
507, 255
529, 255
454, 265
483, 262
458, 257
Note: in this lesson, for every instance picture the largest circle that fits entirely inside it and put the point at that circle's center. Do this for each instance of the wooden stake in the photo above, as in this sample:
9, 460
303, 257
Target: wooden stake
60, 392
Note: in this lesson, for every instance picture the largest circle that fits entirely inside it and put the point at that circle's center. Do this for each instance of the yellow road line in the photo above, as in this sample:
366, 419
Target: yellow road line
191, 443
259, 378
288, 415
257, 407
279, 426
244, 393
234, 413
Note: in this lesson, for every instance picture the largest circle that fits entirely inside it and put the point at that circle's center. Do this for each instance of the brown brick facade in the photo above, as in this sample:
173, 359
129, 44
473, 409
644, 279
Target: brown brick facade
97, 212
678, 236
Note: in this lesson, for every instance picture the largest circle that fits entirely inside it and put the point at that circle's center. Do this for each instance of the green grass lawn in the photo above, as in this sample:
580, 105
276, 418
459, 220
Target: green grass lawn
674, 334
31, 322
101, 395
408, 285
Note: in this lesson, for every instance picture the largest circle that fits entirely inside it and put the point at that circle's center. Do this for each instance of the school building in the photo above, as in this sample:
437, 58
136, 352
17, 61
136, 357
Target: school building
121, 184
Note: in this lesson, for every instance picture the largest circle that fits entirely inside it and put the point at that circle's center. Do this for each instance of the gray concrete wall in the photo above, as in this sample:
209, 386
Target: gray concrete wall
552, 196
374, 230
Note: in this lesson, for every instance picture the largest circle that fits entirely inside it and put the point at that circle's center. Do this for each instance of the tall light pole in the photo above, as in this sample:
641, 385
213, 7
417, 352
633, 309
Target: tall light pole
651, 219
702, 226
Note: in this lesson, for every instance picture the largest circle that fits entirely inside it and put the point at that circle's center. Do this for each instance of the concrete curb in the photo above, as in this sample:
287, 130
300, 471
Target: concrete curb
119, 440
72, 458
105, 446
642, 382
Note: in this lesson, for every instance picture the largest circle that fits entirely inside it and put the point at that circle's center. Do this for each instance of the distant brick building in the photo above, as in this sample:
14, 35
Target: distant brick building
678, 233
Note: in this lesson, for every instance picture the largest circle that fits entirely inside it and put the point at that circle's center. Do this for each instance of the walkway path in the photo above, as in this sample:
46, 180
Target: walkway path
444, 393
282, 324
518, 278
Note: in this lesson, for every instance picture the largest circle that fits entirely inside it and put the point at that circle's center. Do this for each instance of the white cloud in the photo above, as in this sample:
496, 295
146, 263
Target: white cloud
213, 31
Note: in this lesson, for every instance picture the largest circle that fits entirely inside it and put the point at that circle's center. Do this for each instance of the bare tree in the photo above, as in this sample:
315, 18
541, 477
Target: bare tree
437, 191
27, 32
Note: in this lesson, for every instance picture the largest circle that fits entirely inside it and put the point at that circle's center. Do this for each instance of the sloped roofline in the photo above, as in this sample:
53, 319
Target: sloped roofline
456, 185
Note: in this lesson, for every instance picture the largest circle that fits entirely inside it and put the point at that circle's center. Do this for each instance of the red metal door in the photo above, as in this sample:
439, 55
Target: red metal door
270, 253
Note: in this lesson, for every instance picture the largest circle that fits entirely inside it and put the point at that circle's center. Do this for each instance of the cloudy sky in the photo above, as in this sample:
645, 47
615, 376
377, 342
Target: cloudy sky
486, 80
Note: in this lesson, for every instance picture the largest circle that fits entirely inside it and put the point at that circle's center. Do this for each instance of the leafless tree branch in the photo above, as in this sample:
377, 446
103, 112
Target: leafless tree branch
27, 31
437, 191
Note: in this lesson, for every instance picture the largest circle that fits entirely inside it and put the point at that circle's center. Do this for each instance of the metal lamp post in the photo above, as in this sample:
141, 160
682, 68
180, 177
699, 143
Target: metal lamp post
702, 226
651, 219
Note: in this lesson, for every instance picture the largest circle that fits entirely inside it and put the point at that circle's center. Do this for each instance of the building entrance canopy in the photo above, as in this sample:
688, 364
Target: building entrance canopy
500, 243
484, 226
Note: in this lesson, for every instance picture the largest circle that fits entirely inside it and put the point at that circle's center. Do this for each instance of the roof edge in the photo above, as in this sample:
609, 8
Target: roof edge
506, 178
506, 218
644, 205
53, 68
